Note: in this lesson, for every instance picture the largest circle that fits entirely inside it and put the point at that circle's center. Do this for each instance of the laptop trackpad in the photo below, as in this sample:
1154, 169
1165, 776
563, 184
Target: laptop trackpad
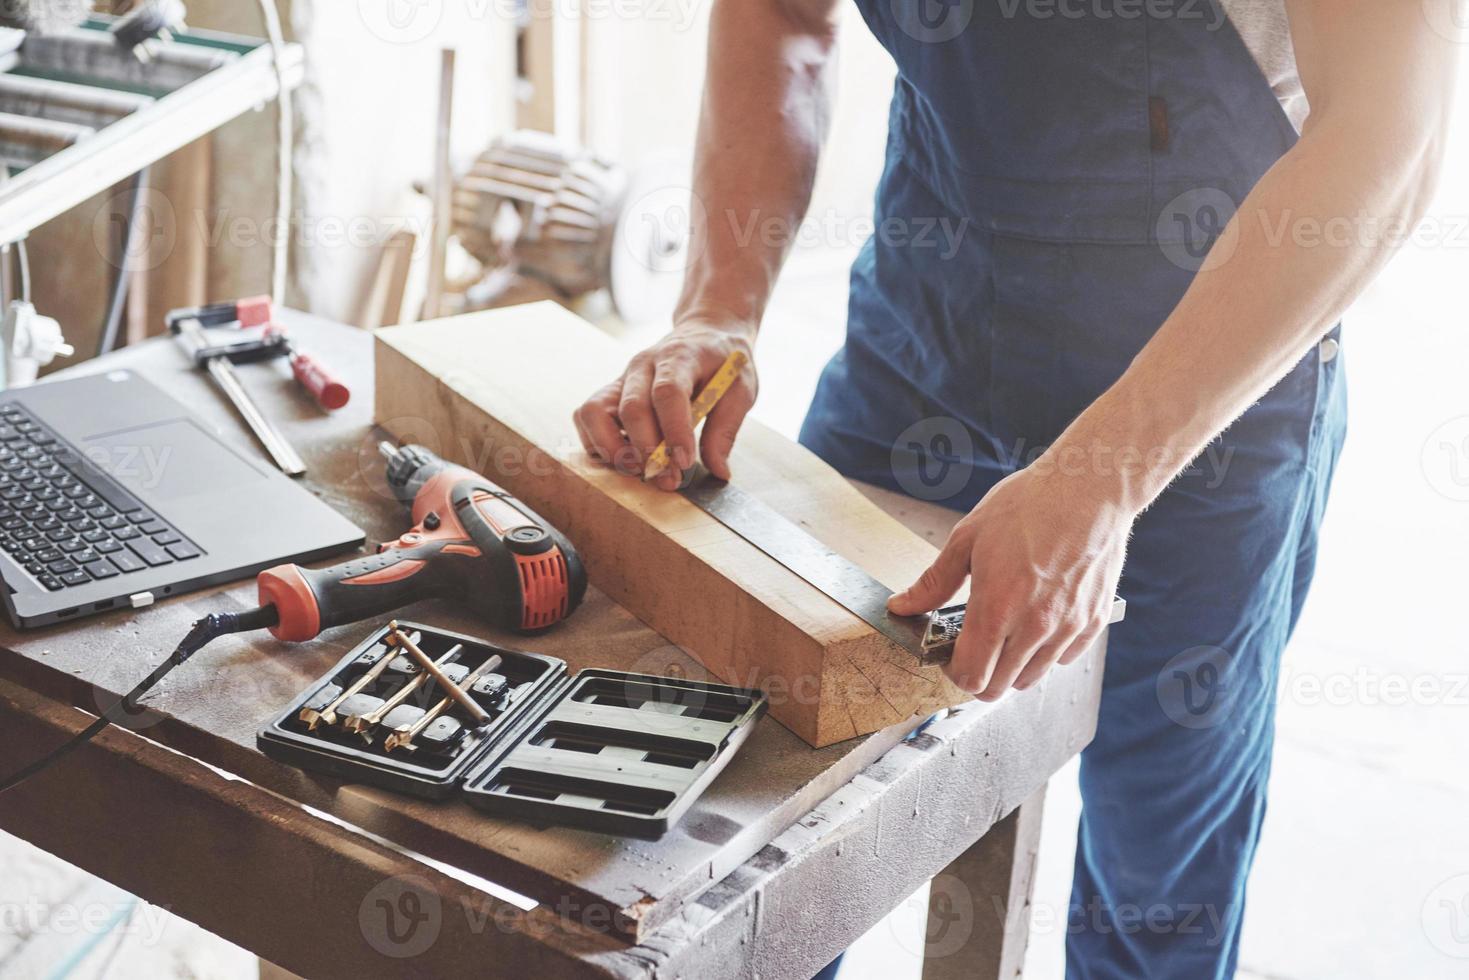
167, 460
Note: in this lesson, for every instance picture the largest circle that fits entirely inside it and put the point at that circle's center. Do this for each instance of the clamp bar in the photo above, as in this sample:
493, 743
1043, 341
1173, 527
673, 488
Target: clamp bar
223, 373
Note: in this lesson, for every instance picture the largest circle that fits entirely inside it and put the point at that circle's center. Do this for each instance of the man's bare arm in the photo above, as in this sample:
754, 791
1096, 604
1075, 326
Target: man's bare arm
764, 117
1044, 549
1379, 81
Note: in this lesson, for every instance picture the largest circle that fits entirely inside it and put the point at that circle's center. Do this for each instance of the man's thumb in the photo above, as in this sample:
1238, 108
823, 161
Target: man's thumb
935, 586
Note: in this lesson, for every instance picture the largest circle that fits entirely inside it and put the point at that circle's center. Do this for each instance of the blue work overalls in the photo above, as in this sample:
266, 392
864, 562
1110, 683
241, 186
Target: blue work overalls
1088, 159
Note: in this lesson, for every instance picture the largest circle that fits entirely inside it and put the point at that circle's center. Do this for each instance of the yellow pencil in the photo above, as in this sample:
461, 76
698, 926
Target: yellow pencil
703, 404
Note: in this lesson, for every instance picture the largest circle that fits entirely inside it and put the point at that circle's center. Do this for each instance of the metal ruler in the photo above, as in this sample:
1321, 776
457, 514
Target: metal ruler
929, 638
191, 338
794, 547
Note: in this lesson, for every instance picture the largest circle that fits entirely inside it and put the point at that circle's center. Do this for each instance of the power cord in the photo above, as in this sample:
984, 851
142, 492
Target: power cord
209, 628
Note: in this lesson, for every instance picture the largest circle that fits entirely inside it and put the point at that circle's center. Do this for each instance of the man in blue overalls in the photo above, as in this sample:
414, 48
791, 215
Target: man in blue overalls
1155, 212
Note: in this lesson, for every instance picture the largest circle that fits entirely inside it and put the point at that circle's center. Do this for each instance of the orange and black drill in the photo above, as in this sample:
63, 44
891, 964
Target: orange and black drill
470, 541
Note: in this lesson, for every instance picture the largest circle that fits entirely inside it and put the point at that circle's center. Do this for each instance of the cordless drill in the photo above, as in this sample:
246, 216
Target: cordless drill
470, 541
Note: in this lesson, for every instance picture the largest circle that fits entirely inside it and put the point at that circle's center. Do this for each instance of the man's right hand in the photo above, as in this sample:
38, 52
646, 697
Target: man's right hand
765, 111
622, 423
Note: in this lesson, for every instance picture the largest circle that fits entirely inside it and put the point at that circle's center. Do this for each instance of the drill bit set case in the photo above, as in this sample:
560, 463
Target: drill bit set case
604, 750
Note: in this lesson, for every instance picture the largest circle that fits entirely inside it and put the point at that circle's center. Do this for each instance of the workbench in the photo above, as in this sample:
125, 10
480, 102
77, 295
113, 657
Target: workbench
791, 855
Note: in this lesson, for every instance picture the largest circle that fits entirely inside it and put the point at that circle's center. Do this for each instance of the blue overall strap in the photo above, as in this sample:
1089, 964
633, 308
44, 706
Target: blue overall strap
1053, 183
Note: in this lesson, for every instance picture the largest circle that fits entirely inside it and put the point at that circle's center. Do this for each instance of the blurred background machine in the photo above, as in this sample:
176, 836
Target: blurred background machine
546, 219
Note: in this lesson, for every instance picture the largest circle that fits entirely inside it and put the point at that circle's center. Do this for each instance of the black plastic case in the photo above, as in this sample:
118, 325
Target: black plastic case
605, 750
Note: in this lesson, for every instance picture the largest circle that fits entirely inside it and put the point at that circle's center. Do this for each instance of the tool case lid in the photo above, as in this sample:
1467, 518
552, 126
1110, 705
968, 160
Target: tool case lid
604, 750
618, 752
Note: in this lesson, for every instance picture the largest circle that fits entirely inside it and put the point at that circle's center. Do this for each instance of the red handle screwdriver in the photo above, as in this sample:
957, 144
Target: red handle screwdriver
328, 390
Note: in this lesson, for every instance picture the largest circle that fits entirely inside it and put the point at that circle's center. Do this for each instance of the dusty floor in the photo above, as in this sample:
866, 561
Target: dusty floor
1364, 868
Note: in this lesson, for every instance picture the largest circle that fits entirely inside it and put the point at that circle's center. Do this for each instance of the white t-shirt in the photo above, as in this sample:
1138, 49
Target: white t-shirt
1265, 29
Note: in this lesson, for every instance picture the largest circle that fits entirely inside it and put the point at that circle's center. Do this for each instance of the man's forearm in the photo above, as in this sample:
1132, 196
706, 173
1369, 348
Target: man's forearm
764, 116
1302, 247
760, 132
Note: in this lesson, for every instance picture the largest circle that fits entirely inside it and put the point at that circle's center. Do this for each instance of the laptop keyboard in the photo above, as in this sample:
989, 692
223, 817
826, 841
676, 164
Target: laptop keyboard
65, 521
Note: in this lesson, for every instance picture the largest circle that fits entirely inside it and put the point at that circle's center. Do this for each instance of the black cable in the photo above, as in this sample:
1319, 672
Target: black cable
110, 326
209, 628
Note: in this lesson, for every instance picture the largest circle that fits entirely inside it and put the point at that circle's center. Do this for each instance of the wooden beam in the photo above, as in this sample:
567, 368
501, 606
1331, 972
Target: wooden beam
536, 101
496, 391
384, 305
979, 907
442, 187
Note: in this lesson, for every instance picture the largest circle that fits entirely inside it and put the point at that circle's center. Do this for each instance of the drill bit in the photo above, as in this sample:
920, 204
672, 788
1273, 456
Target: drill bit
403, 737
363, 724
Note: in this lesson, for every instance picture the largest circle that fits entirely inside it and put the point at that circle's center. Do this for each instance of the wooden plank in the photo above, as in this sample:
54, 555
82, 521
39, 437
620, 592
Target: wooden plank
442, 188
496, 391
536, 108
176, 266
384, 302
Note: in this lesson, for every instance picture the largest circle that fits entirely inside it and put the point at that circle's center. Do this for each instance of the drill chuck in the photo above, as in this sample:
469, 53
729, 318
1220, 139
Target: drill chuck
409, 468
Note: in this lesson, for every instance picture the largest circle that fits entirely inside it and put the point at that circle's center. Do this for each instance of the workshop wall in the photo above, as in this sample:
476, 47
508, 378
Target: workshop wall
365, 133
366, 127
646, 81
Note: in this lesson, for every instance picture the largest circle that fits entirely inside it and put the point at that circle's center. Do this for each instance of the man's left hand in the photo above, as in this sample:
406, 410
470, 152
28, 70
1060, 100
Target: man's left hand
1043, 552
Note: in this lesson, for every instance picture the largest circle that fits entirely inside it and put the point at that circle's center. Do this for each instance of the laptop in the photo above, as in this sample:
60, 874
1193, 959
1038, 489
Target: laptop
112, 496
